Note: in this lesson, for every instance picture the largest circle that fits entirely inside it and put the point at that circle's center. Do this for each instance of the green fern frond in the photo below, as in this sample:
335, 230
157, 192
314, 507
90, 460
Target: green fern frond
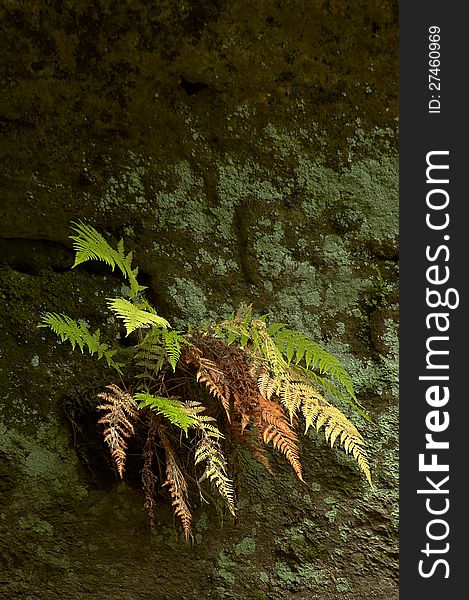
133, 316
89, 244
158, 346
174, 410
151, 360
78, 334
151, 354
172, 342
298, 348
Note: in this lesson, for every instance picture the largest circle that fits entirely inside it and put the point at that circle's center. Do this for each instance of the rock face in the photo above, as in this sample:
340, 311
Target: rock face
246, 151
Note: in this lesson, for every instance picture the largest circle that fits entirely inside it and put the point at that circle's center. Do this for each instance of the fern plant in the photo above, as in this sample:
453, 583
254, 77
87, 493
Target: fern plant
202, 395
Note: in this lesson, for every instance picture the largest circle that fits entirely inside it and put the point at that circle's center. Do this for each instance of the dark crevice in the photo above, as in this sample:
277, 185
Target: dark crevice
248, 268
191, 88
31, 256
79, 411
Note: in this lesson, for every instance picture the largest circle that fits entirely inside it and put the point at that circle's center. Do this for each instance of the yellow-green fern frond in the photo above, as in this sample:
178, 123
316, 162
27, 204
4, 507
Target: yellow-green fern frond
133, 316
208, 450
89, 244
172, 341
78, 334
173, 409
318, 412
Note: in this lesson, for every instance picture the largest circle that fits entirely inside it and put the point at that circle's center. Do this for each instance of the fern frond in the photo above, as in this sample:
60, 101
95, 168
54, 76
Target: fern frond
284, 388
78, 334
208, 450
208, 425
151, 360
133, 316
173, 409
305, 354
204, 421
89, 244
262, 459
172, 341
274, 427
319, 412
151, 354
120, 414
328, 386
268, 386
215, 381
177, 486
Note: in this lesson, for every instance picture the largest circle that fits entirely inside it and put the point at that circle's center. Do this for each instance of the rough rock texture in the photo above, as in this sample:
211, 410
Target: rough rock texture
246, 151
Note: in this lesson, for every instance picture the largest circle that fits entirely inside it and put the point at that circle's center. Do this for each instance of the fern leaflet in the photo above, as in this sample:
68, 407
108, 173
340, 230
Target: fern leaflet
274, 428
208, 450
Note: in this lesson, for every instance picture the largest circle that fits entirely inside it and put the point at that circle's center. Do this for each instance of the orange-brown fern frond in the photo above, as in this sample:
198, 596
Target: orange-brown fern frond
215, 381
177, 486
121, 413
274, 427
262, 459
237, 371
